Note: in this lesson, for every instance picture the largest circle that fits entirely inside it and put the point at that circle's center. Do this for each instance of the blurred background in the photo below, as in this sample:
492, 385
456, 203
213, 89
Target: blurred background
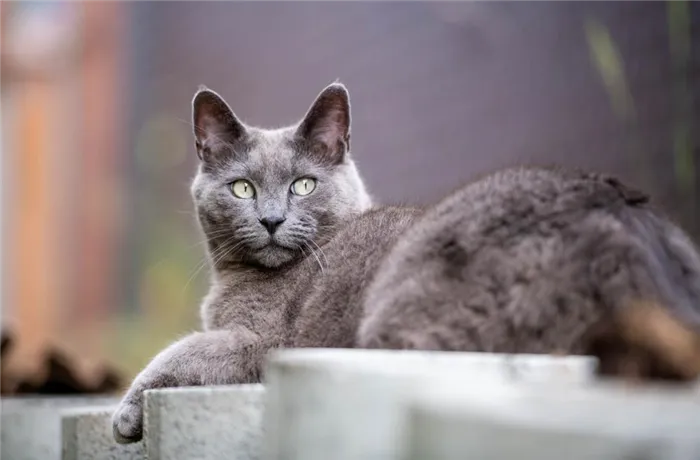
101, 257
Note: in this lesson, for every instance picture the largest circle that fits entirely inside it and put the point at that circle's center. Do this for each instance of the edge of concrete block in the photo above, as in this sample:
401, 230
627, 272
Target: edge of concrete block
209, 422
87, 435
31, 426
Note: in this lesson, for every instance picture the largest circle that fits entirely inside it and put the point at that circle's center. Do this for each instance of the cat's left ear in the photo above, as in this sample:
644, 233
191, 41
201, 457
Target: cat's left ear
326, 126
216, 127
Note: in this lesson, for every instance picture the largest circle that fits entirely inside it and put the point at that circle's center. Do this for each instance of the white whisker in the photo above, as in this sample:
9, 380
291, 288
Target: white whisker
321, 251
320, 265
216, 256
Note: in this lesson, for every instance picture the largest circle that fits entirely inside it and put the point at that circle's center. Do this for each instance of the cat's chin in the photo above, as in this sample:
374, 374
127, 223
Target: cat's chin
275, 256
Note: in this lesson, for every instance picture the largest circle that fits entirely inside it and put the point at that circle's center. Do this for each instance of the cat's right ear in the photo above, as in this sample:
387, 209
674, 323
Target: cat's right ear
216, 127
326, 126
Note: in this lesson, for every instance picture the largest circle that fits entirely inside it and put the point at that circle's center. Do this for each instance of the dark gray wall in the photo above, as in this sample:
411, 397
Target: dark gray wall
441, 92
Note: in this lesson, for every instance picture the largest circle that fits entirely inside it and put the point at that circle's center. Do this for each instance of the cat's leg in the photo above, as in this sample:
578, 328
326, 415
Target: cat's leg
203, 358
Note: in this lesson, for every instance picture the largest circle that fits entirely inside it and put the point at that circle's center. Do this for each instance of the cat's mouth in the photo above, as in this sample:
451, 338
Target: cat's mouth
277, 245
274, 243
282, 241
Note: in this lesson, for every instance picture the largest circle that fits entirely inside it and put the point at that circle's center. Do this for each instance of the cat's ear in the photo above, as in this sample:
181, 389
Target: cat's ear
326, 126
216, 127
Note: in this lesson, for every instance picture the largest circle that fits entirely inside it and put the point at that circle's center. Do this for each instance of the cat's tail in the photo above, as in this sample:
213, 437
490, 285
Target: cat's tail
659, 336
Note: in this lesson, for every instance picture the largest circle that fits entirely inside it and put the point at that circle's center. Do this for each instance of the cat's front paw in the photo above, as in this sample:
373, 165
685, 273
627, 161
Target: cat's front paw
127, 422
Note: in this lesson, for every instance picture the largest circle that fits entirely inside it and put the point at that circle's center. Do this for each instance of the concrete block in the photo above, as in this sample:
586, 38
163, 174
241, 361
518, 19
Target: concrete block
87, 435
349, 404
31, 426
218, 422
602, 421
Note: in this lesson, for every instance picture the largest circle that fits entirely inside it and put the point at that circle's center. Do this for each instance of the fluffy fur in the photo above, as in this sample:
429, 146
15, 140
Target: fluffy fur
524, 260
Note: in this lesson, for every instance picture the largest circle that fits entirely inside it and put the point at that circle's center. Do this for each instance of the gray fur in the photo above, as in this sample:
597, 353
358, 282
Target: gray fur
524, 260
527, 261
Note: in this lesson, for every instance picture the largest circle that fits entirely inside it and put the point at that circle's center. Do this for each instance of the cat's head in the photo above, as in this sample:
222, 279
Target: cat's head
269, 197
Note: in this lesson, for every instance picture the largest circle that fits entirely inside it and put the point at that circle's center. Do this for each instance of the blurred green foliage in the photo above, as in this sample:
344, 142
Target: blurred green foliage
680, 46
168, 254
608, 61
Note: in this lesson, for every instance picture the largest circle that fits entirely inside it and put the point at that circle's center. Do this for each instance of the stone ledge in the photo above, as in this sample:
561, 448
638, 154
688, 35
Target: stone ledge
87, 435
348, 404
31, 426
217, 422
604, 420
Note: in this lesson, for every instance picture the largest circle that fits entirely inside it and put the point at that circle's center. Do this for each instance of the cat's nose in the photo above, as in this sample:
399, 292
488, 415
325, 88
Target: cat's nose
271, 223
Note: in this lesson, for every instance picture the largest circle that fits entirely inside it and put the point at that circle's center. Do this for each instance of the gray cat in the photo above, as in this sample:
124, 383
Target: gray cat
523, 260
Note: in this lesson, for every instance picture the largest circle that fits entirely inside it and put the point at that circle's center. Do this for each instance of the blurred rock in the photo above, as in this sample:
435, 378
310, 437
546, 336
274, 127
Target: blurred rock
58, 375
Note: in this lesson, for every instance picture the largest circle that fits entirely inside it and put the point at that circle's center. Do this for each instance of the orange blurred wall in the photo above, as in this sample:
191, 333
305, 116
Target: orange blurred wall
61, 228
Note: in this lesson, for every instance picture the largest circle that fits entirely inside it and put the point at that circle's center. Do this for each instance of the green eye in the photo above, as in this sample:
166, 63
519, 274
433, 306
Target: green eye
303, 186
243, 189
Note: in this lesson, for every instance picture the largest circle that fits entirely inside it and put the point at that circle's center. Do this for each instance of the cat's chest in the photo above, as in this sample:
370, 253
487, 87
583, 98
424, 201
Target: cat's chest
254, 306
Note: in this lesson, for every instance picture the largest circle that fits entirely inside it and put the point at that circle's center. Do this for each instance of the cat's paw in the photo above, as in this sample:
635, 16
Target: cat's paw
127, 423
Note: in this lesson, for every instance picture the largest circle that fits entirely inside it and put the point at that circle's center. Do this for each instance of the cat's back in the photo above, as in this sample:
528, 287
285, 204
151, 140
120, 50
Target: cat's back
516, 201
